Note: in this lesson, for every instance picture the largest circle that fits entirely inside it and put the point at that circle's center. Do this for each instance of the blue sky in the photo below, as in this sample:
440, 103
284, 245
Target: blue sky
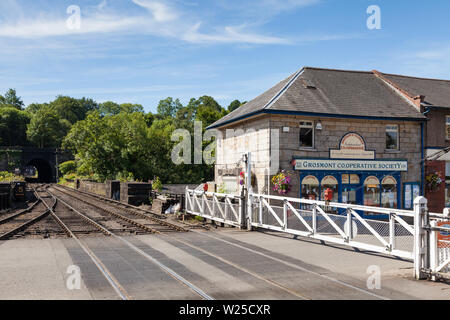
142, 51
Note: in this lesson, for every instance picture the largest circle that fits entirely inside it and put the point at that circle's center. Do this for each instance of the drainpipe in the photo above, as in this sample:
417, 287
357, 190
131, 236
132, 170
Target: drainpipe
422, 165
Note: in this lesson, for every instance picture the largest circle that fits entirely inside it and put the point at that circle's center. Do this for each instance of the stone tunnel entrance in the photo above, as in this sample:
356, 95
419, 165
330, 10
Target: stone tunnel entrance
44, 171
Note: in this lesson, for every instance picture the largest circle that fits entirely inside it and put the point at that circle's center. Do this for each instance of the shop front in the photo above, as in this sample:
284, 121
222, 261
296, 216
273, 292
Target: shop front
363, 182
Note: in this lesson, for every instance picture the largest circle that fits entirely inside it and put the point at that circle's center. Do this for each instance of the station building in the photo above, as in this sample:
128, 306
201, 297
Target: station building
432, 98
349, 131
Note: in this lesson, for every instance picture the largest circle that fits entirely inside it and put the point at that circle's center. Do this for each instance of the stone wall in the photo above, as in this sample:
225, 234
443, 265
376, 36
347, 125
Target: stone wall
93, 187
239, 139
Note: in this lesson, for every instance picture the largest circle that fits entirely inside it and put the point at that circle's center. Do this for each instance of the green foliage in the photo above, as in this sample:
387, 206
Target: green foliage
169, 107
111, 140
110, 108
234, 105
6, 176
68, 167
157, 184
11, 100
13, 126
46, 128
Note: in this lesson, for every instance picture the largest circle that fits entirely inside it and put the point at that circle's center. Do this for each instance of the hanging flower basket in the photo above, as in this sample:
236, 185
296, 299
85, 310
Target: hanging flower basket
433, 181
281, 183
242, 178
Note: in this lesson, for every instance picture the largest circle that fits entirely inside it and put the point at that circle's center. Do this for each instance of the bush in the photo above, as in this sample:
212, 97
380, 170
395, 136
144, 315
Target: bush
68, 167
157, 184
6, 176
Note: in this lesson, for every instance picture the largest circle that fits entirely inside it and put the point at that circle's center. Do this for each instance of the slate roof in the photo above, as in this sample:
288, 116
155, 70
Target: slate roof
328, 92
436, 92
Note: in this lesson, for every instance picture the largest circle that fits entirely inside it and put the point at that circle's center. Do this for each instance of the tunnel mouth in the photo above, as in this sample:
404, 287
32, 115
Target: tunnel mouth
44, 170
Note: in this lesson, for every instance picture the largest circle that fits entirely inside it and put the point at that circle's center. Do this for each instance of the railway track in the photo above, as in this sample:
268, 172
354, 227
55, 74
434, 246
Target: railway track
71, 226
17, 224
149, 222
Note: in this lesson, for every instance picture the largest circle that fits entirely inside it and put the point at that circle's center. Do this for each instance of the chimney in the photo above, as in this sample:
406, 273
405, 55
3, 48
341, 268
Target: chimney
418, 100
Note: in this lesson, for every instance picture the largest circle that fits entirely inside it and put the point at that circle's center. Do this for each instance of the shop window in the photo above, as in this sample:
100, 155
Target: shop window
332, 183
392, 137
389, 192
310, 188
447, 184
350, 179
372, 191
447, 127
306, 134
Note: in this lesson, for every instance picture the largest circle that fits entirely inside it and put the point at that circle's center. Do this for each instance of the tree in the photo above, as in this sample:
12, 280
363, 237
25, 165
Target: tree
46, 128
11, 100
69, 108
131, 108
34, 107
234, 105
13, 126
169, 107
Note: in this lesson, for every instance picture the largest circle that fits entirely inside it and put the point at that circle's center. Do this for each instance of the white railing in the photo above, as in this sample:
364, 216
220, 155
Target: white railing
224, 208
320, 220
412, 235
439, 231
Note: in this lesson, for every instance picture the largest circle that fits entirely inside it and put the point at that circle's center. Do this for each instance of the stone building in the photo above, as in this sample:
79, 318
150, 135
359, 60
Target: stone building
349, 131
432, 98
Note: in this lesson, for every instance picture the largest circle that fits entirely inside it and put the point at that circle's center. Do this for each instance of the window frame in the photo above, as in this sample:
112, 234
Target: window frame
387, 129
301, 125
447, 124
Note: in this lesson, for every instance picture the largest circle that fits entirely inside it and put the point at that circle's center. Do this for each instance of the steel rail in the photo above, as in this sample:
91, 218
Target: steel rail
27, 223
121, 292
169, 271
117, 215
148, 214
112, 201
19, 213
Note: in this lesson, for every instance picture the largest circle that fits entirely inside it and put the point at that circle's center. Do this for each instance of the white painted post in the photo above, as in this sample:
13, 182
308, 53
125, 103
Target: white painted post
203, 203
226, 208
434, 253
186, 199
249, 171
214, 199
249, 211
260, 210
314, 219
420, 243
285, 214
391, 231
350, 225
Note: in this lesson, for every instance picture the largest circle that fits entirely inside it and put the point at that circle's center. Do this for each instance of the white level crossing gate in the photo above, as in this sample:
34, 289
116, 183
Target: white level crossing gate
412, 235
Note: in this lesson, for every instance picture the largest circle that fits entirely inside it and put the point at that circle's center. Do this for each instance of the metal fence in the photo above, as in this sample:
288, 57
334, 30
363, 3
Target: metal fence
416, 235
322, 221
224, 208
439, 235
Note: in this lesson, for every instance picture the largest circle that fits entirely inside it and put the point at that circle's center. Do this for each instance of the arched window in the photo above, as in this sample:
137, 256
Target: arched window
310, 188
372, 191
389, 192
332, 183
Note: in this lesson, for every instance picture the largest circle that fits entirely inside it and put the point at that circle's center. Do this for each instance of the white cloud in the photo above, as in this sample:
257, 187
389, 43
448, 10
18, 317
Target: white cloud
160, 11
230, 34
158, 19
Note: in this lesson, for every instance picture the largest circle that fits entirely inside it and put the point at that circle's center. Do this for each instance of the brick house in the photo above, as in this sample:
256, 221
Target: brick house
432, 98
349, 131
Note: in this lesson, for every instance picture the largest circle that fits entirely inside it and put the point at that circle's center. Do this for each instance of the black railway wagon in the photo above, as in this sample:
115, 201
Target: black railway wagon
19, 188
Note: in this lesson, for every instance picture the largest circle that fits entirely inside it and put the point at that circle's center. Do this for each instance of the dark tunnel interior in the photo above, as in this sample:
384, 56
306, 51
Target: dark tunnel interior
45, 172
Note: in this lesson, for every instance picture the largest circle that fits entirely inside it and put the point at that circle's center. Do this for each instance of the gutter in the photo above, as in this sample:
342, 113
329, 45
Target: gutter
312, 114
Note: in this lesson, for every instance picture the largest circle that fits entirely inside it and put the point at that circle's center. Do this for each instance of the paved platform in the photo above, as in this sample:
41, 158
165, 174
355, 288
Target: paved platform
225, 264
